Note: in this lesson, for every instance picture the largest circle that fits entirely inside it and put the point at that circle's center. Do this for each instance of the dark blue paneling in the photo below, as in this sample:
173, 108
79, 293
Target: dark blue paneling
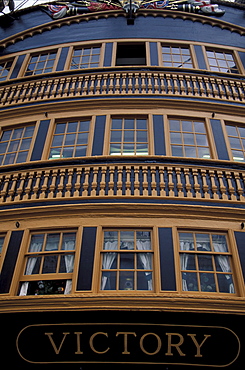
154, 54
159, 138
17, 66
242, 56
219, 139
167, 266
85, 272
99, 133
106, 28
40, 140
240, 240
200, 58
108, 54
10, 261
62, 59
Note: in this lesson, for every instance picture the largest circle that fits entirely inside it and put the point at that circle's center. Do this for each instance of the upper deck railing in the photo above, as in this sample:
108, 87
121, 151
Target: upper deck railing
123, 83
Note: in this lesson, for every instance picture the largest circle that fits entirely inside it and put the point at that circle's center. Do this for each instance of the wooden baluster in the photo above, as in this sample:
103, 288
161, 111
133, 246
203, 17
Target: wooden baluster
239, 187
5, 94
69, 182
162, 84
86, 182
73, 86
234, 92
213, 185
162, 182
11, 192
85, 86
170, 182
195, 85
188, 84
36, 187
52, 186
66, 86
221, 88
136, 84
240, 89
130, 83
98, 85
231, 188
183, 90
128, 180
33, 90
124, 86
149, 83
111, 84
188, 186
79, 86
46, 92
145, 180
42, 89
61, 88
201, 88
10, 95
176, 86
44, 186
28, 187
91, 87
207, 85
117, 84
119, 180
196, 184
60, 186
136, 181
222, 186
168, 78
179, 182
214, 87
2, 181
4, 192
102, 181
111, 182
205, 186
19, 191
77, 185
143, 83
227, 90
94, 183
23, 92
153, 181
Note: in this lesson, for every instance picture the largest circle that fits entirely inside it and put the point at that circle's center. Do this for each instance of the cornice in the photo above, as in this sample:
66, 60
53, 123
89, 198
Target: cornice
167, 302
115, 13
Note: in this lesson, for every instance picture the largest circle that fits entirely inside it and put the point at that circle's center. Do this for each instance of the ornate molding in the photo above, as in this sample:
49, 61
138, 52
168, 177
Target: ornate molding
115, 13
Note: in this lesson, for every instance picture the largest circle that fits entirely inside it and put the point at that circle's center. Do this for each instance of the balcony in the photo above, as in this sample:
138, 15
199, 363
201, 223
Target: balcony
122, 181
150, 82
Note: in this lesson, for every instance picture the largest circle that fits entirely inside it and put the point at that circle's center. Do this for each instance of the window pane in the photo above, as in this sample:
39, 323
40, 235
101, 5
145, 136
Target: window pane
207, 282
126, 280
33, 265
226, 284
68, 241
203, 242
144, 280
66, 263
50, 264
52, 242
126, 260
21, 157
189, 281
108, 281
205, 263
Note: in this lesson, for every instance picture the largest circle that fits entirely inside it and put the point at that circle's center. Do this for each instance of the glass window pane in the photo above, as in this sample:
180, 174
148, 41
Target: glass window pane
60, 128
203, 242
201, 140
189, 139
235, 143
141, 124
203, 153
129, 136
9, 159
142, 149
70, 139
205, 263
21, 157
84, 126
177, 151
186, 241
108, 281
174, 125
68, 241
68, 152
126, 260
231, 130
199, 127
50, 264
190, 152
126, 280
207, 282
226, 284
110, 240
52, 242
55, 153
29, 130
116, 136
144, 261
58, 140
187, 126
189, 281
33, 265
72, 126
187, 261
175, 138
3, 147
6, 135
117, 123
25, 144
66, 263
36, 243
128, 124
80, 151
14, 146
219, 243
144, 280
141, 136
128, 149
115, 149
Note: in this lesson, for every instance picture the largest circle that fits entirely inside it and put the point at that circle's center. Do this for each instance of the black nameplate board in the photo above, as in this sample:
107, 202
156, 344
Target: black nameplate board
80, 341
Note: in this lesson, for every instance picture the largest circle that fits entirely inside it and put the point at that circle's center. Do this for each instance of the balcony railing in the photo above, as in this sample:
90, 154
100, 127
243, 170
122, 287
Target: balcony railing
157, 83
123, 181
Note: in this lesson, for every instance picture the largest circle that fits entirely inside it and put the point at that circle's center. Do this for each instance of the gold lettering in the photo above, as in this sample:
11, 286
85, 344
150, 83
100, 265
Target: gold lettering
176, 345
125, 352
78, 352
159, 344
198, 346
91, 342
56, 349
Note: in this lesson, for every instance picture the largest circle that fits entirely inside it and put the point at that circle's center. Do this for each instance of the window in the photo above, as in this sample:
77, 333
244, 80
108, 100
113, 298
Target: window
188, 138
49, 263
131, 54
15, 144
205, 262
87, 57
70, 139
129, 136
2, 237
5, 68
221, 61
236, 136
41, 63
127, 260
176, 56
